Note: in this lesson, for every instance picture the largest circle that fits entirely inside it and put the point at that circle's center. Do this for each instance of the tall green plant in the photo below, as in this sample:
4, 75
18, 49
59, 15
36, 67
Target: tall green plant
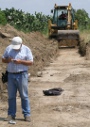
82, 16
26, 21
3, 19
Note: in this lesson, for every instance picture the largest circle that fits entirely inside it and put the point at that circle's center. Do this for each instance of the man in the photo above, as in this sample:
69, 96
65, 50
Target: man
18, 57
63, 16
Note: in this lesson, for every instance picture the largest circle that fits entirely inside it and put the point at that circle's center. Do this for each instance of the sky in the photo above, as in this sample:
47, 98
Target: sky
43, 6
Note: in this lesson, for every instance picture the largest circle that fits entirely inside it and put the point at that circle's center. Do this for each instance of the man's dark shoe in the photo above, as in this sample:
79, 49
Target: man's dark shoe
9, 117
27, 118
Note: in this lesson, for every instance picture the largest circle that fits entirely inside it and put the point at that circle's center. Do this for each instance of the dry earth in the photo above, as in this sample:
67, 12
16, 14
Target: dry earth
69, 71
42, 48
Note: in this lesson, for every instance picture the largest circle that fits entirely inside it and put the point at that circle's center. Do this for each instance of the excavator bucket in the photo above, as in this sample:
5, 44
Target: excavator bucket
68, 37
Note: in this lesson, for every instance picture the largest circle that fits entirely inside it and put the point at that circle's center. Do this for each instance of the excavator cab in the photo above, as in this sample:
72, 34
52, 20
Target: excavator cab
60, 17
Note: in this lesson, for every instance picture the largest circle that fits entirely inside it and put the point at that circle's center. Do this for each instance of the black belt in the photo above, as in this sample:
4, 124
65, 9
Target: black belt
17, 72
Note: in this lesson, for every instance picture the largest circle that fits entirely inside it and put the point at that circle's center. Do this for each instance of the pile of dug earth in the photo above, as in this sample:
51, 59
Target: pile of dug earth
43, 49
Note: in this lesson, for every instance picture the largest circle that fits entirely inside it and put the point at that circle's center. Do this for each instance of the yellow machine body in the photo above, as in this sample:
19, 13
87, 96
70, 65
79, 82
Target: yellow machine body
63, 25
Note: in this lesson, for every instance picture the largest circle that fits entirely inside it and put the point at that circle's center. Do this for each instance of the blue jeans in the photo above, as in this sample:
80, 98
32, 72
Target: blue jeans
18, 82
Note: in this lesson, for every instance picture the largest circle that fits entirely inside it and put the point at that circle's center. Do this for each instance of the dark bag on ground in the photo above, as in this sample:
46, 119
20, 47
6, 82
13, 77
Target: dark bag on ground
53, 92
5, 77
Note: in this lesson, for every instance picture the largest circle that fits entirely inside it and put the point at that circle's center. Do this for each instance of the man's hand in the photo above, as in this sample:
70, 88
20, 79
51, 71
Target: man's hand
16, 61
9, 60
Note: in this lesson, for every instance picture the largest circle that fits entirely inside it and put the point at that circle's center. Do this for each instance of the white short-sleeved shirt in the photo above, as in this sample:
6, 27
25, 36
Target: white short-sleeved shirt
24, 54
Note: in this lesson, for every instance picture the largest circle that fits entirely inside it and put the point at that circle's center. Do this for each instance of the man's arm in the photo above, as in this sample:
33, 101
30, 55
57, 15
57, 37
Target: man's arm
24, 62
6, 60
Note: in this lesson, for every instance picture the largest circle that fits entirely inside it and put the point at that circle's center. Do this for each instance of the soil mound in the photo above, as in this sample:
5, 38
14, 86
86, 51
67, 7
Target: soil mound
42, 48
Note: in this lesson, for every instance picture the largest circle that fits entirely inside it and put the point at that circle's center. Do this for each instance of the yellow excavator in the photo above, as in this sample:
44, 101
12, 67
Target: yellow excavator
63, 26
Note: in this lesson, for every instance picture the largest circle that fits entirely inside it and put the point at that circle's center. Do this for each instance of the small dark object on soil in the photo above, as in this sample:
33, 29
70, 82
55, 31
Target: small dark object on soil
53, 92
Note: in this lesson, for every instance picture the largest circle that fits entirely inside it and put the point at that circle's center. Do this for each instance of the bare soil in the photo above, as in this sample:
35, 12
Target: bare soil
42, 48
69, 71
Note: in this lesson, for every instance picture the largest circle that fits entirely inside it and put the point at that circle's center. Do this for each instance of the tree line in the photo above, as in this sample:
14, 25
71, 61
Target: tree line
27, 22
83, 19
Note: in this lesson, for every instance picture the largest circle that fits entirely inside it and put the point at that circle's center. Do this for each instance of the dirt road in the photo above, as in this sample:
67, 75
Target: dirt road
69, 71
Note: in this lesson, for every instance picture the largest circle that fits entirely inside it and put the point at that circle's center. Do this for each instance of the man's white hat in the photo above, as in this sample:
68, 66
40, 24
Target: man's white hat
16, 43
